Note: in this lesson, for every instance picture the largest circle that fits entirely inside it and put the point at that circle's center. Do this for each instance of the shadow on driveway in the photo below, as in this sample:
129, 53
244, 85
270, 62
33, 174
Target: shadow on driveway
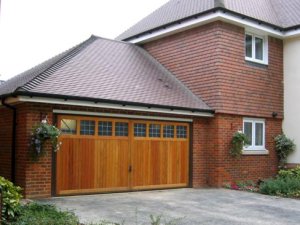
193, 206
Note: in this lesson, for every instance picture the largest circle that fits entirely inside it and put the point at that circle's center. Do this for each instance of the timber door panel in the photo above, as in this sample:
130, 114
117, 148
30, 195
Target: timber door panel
120, 155
91, 164
159, 164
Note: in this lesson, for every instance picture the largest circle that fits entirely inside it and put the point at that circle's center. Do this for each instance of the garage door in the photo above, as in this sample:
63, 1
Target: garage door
107, 155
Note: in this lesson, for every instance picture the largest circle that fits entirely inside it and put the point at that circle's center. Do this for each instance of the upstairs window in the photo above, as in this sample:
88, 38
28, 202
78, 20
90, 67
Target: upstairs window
256, 48
255, 131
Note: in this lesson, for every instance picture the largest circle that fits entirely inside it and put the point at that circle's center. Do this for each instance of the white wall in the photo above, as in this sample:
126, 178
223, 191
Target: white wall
291, 123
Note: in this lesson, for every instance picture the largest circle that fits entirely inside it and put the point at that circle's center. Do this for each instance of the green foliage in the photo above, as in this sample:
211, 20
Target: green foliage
287, 187
284, 147
38, 214
290, 173
239, 140
11, 199
158, 220
41, 133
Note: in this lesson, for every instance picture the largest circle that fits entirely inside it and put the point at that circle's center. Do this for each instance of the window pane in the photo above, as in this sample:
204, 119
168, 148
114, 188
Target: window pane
121, 129
259, 48
87, 127
68, 126
154, 130
248, 131
248, 46
168, 131
181, 132
139, 130
259, 134
105, 128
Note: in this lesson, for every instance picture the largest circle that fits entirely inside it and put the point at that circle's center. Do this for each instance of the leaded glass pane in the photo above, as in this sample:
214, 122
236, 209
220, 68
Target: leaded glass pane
121, 129
68, 126
168, 131
154, 130
140, 130
105, 128
87, 127
181, 132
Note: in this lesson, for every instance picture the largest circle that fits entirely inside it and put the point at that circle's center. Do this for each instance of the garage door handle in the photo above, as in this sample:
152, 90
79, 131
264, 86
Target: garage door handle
130, 169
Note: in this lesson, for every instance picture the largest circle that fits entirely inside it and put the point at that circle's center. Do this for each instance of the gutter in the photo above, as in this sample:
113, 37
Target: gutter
13, 143
66, 98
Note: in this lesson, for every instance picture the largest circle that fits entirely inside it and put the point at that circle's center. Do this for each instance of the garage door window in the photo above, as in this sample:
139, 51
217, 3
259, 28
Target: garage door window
181, 131
154, 130
140, 130
87, 127
104, 128
121, 129
68, 126
168, 131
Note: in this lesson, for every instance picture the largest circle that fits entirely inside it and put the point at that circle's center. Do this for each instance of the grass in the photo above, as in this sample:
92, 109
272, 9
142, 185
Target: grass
38, 214
41, 214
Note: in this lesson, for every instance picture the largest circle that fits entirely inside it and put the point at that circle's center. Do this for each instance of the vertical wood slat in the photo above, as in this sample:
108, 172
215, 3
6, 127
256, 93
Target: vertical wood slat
91, 164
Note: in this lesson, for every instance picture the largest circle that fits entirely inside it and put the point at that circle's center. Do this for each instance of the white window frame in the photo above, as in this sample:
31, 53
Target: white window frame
265, 59
254, 147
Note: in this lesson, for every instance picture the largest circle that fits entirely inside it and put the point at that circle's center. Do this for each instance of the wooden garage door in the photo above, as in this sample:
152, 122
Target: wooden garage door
106, 155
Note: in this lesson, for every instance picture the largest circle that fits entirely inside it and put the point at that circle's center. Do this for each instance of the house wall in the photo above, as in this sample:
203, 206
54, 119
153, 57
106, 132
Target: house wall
291, 93
6, 116
210, 61
211, 162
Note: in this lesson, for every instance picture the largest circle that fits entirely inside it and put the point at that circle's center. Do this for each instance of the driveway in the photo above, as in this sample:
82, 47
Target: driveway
190, 206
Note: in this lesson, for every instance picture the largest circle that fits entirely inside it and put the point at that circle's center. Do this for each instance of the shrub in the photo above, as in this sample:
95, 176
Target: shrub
284, 147
288, 187
11, 199
39, 214
291, 173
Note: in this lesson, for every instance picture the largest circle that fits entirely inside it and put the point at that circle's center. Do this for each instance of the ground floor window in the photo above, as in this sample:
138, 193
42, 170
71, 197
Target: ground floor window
255, 131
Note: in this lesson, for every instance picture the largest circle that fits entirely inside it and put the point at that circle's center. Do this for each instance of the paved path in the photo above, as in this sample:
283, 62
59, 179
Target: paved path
194, 206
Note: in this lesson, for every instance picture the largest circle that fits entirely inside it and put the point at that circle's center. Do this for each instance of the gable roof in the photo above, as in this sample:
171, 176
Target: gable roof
105, 70
282, 14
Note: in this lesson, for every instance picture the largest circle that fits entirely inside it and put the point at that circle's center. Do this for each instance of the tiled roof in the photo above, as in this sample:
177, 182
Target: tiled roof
103, 69
280, 13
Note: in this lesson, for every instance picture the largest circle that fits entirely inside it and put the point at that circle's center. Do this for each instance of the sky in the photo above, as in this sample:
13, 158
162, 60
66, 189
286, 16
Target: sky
32, 31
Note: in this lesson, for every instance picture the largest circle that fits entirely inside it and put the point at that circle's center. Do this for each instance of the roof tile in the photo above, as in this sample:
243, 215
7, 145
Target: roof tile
107, 70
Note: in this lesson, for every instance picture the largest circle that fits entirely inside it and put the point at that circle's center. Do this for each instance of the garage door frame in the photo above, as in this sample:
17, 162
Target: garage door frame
144, 118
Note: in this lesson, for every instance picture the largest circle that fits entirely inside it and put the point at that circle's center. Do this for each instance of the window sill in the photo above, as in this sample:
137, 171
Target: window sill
255, 152
257, 62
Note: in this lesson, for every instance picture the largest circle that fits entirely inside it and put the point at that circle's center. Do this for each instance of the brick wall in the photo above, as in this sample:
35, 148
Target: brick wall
210, 61
33, 176
211, 162
5, 142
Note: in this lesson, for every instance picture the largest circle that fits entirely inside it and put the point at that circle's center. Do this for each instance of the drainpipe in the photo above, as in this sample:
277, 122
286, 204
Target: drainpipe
13, 143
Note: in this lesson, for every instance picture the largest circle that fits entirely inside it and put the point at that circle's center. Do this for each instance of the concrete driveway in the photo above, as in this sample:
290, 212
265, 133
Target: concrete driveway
193, 206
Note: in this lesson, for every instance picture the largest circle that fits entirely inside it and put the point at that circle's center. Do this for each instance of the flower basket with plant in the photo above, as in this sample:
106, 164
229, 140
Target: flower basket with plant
239, 140
41, 133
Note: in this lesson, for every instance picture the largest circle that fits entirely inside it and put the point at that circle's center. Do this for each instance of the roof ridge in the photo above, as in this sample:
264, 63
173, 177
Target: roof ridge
71, 53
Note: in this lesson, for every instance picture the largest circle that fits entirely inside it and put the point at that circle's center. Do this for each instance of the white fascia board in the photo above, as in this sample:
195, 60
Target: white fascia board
211, 17
111, 106
292, 34
118, 115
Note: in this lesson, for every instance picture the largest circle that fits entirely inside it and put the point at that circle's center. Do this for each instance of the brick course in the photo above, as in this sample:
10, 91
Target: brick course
210, 61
